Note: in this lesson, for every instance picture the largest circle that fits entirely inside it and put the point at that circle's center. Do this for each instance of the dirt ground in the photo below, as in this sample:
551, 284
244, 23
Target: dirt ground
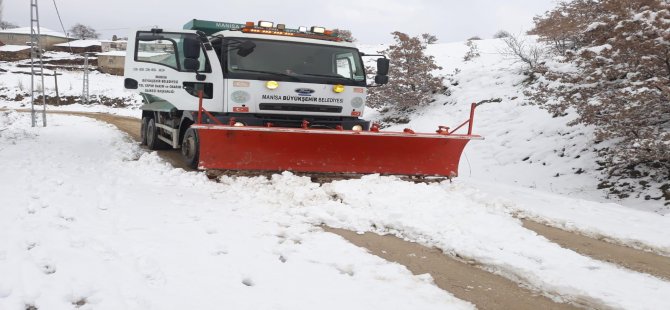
465, 279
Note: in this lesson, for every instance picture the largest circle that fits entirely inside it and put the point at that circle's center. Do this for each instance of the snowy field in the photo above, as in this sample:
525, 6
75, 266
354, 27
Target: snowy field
97, 220
87, 221
16, 82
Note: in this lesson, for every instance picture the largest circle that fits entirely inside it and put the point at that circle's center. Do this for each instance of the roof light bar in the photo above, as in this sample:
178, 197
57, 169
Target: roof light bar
316, 29
265, 24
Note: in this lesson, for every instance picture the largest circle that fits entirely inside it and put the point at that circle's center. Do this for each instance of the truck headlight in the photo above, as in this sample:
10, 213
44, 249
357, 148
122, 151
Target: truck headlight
357, 128
272, 84
338, 88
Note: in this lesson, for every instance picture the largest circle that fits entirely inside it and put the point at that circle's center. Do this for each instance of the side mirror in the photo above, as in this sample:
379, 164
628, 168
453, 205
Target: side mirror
245, 48
191, 64
382, 66
381, 79
191, 47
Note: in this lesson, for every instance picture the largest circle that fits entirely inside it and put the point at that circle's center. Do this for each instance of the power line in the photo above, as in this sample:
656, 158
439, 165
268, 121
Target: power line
62, 27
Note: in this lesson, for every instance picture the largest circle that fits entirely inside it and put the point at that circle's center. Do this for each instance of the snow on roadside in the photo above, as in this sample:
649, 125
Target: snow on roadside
88, 219
609, 221
464, 221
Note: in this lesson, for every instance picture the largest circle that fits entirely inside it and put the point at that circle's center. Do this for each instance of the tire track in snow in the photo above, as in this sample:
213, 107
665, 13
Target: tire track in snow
645, 262
465, 281
626, 257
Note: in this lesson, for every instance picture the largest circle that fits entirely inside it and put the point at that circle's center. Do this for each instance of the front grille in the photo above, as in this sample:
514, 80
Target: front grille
291, 107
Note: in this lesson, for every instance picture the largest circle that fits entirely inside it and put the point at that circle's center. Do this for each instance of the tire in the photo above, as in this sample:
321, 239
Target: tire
190, 148
143, 130
153, 143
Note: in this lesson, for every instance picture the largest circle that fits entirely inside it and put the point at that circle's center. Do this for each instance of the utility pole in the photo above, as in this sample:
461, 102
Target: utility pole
36, 54
84, 91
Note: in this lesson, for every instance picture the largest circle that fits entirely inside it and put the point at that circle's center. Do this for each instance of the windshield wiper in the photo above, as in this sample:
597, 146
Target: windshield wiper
326, 75
270, 72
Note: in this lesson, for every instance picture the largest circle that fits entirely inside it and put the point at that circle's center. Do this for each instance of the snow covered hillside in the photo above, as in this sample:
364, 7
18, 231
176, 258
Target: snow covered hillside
524, 145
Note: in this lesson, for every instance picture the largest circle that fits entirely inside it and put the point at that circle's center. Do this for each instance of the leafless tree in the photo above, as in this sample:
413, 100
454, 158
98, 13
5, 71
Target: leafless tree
345, 35
7, 25
429, 38
83, 32
412, 83
501, 34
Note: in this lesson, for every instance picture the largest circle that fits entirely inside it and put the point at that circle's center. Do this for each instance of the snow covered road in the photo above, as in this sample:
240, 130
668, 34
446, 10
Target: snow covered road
90, 219
108, 234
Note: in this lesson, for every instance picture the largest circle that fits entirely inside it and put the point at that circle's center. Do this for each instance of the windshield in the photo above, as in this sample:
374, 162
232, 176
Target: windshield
300, 62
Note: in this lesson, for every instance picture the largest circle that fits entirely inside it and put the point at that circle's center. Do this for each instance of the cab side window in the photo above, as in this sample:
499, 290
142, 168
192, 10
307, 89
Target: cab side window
344, 65
168, 49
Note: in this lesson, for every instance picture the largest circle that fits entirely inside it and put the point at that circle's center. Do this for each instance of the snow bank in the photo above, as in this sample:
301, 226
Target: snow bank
472, 224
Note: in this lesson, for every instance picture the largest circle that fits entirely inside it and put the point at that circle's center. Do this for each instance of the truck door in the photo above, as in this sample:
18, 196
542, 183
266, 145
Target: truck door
172, 65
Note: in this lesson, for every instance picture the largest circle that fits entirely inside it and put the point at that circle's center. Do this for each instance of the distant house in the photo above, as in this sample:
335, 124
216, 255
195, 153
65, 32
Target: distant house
21, 36
79, 46
112, 62
14, 52
118, 45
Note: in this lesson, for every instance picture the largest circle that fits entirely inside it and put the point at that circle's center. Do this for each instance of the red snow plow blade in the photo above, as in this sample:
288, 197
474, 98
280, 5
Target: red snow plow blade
225, 147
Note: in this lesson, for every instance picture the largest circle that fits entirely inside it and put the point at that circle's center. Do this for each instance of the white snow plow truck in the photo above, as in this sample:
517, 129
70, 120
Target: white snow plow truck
263, 97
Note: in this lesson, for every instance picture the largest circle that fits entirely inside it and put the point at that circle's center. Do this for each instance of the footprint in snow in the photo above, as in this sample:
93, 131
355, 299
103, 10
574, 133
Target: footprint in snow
248, 282
31, 245
79, 303
211, 231
48, 269
220, 250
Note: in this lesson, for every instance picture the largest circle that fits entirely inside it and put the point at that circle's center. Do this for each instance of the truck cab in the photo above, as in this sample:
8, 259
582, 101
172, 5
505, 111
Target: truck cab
253, 74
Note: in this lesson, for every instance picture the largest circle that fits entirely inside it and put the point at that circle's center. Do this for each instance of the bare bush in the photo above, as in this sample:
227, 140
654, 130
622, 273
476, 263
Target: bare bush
473, 51
518, 49
563, 26
620, 84
474, 38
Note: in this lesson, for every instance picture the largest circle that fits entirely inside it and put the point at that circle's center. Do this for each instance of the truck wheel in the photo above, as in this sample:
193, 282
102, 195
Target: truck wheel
152, 136
143, 130
190, 148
